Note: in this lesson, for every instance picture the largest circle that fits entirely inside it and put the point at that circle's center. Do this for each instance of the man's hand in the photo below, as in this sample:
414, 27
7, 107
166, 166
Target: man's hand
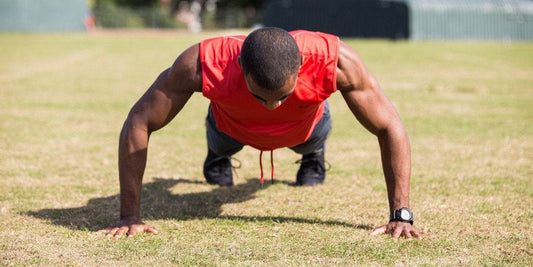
399, 229
129, 227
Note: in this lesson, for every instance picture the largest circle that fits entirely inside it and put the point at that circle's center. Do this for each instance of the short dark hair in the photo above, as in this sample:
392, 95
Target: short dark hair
270, 55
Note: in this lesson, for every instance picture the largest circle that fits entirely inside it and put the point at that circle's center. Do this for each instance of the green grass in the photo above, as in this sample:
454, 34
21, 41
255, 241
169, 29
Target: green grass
467, 107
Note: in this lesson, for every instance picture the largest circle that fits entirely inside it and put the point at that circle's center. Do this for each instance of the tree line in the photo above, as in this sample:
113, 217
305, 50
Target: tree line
170, 13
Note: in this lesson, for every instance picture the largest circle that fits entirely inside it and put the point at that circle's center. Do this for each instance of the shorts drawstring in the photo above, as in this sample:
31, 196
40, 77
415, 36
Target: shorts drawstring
262, 180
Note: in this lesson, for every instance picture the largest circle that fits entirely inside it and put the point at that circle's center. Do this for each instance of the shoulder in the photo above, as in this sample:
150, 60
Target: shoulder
316, 42
223, 48
186, 70
351, 72
303, 34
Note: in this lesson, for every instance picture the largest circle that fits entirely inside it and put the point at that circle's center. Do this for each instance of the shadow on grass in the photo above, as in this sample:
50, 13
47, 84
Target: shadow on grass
159, 203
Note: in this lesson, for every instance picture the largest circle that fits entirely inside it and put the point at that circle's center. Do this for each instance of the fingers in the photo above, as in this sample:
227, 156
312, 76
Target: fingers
141, 229
116, 231
428, 234
130, 230
396, 231
109, 231
150, 230
112, 231
106, 230
122, 230
407, 235
133, 231
379, 231
417, 235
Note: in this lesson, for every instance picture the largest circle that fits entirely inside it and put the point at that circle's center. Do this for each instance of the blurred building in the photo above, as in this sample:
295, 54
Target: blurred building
414, 19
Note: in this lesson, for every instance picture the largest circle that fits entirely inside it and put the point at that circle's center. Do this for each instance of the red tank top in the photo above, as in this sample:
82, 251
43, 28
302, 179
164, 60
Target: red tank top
238, 114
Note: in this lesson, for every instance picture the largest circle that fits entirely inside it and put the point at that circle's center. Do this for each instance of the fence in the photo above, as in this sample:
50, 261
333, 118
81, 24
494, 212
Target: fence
473, 19
414, 19
43, 15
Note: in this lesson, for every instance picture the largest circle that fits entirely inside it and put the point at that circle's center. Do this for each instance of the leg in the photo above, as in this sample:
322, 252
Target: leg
217, 165
312, 169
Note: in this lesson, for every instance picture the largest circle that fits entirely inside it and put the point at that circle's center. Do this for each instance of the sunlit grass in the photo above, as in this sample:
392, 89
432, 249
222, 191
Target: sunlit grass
467, 108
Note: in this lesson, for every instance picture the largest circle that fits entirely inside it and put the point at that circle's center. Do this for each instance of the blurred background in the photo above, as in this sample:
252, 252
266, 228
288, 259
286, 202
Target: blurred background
391, 19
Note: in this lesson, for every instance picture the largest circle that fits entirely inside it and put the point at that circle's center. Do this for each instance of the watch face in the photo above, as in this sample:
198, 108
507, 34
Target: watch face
405, 215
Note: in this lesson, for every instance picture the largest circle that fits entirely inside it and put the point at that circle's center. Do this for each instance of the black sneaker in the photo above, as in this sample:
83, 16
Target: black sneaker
312, 169
217, 169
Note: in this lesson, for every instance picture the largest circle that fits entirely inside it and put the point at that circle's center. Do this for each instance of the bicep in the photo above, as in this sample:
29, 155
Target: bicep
371, 108
169, 92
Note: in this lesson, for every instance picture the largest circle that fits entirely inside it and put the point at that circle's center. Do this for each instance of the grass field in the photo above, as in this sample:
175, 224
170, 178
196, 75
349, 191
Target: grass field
468, 108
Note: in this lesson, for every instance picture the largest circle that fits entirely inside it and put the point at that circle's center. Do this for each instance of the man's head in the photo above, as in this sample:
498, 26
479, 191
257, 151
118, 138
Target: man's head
270, 60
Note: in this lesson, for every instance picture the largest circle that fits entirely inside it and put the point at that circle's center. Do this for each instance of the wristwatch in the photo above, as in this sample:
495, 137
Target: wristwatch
402, 215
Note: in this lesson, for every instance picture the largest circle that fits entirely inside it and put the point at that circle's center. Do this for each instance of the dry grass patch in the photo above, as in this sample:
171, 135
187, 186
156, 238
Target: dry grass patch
467, 108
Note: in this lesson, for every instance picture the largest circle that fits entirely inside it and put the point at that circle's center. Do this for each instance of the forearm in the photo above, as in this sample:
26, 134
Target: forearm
396, 161
133, 147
